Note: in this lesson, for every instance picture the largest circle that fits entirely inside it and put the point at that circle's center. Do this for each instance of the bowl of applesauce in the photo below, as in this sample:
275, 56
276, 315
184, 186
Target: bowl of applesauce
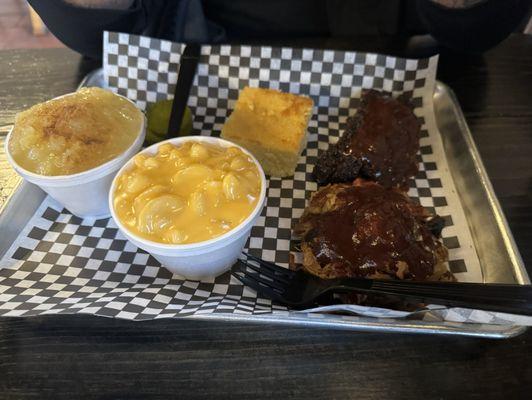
190, 202
71, 146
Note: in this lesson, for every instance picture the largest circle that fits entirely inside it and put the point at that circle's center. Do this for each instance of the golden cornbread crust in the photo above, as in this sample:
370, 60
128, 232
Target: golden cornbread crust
272, 125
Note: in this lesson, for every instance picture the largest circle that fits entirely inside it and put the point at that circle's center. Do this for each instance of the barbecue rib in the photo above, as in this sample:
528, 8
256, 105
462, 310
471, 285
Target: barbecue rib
366, 230
380, 143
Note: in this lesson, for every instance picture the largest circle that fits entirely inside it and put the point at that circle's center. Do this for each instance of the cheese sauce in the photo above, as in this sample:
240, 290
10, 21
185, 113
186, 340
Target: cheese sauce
187, 193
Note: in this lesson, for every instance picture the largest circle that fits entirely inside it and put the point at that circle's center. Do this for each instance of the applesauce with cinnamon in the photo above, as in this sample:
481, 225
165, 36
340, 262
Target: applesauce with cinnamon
74, 133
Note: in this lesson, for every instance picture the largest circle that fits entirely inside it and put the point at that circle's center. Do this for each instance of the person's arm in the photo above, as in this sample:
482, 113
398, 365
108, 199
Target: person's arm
472, 25
79, 24
457, 3
109, 4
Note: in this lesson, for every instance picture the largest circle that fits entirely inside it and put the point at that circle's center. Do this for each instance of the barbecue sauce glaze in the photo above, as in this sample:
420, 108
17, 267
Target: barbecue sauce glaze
370, 230
380, 143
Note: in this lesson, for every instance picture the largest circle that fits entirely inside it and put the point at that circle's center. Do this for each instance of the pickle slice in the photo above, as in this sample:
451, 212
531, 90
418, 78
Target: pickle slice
158, 115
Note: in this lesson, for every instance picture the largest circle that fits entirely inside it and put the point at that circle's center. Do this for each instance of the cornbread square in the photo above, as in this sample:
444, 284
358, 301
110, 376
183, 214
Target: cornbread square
272, 125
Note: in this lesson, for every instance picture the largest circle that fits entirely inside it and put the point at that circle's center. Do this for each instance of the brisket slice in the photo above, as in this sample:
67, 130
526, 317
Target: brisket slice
380, 143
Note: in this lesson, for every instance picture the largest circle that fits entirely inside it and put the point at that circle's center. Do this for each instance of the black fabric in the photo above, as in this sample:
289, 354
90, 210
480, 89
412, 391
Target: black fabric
256, 19
194, 27
202, 21
364, 17
473, 29
81, 28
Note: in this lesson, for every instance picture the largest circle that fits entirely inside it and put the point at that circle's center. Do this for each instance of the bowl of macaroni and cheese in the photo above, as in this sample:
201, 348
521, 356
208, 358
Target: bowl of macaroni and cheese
190, 202
72, 146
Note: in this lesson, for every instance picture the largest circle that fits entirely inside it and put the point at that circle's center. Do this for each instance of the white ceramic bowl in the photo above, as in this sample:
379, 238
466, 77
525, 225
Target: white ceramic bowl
200, 260
86, 193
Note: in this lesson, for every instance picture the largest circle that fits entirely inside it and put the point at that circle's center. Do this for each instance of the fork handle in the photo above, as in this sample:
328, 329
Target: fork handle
513, 299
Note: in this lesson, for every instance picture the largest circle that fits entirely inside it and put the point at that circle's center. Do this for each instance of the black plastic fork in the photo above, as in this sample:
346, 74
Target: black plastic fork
298, 289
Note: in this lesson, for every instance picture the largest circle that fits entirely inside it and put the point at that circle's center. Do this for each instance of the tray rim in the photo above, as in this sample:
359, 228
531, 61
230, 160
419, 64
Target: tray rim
521, 274
368, 324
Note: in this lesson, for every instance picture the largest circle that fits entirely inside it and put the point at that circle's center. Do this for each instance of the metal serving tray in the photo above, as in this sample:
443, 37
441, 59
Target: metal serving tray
499, 258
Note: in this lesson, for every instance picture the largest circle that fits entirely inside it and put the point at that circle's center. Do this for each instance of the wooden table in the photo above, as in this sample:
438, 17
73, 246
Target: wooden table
82, 356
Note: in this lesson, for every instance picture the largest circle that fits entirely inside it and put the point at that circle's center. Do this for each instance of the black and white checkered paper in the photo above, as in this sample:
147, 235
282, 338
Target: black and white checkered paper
62, 264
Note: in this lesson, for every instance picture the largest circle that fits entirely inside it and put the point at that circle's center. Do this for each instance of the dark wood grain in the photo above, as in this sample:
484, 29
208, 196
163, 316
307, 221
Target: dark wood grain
28, 77
78, 355
88, 357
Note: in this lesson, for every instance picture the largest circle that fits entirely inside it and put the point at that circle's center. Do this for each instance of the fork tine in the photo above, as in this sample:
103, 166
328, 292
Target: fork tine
272, 283
265, 271
271, 266
260, 270
253, 284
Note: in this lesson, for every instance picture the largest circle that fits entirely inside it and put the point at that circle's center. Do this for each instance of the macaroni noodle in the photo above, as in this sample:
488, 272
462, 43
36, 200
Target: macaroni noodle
187, 193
